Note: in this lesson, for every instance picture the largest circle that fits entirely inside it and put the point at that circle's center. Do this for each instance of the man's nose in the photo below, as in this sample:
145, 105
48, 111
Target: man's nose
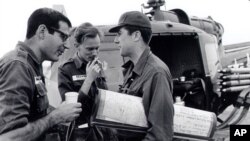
66, 44
95, 52
116, 40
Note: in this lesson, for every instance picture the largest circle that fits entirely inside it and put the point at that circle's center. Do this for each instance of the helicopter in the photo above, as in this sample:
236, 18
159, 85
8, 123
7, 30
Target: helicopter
192, 48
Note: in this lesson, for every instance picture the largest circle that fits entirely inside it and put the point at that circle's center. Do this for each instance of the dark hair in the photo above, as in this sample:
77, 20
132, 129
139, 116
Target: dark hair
145, 32
46, 16
86, 30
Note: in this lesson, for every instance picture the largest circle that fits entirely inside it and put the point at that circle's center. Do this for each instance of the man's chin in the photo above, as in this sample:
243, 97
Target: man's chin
91, 59
123, 55
55, 59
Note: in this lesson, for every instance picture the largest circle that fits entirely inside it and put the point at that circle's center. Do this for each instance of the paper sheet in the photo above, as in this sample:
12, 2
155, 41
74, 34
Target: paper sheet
121, 108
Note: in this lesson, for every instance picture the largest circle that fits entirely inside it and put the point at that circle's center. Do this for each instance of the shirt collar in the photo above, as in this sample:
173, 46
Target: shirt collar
24, 47
78, 62
139, 66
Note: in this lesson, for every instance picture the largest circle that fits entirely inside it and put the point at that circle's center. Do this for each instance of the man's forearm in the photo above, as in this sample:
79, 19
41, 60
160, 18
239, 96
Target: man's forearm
31, 131
86, 86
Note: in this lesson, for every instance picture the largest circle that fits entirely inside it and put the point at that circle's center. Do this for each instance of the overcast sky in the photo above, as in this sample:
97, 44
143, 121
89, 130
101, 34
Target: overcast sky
234, 15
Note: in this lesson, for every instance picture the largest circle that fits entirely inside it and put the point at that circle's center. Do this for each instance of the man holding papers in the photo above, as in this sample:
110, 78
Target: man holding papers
146, 76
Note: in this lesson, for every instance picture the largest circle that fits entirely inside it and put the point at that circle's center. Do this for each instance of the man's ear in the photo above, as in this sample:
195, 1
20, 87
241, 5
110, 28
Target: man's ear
136, 35
76, 45
41, 31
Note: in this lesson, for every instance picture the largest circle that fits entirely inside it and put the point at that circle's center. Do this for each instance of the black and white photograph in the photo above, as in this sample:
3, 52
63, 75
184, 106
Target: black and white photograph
124, 70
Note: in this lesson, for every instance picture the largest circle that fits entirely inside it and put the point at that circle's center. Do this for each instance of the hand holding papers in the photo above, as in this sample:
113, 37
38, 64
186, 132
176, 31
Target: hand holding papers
126, 112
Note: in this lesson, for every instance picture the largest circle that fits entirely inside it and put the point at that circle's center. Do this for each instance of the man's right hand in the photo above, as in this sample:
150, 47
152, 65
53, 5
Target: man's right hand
66, 112
93, 70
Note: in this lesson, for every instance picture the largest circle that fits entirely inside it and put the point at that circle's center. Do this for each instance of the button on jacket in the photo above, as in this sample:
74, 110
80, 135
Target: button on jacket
150, 79
23, 96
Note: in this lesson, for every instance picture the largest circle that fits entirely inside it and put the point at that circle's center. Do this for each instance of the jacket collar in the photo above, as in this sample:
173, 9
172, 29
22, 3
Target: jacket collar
24, 47
78, 62
140, 65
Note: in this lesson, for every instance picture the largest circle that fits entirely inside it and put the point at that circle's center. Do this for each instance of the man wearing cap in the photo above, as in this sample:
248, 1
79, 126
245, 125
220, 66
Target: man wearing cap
146, 76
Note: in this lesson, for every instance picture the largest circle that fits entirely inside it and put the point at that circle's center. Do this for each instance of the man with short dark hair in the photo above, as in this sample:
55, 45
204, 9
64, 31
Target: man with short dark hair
146, 76
23, 95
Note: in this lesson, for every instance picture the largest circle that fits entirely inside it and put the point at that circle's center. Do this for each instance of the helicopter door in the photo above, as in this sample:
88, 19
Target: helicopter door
183, 56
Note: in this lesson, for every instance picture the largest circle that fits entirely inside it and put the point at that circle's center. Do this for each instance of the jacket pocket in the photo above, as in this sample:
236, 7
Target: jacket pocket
41, 97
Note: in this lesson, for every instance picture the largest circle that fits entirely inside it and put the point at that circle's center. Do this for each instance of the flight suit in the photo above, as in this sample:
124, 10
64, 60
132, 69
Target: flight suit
150, 79
23, 95
71, 76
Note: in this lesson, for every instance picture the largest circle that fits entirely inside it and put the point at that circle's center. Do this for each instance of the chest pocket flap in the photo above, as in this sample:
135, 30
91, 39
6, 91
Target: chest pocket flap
41, 97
